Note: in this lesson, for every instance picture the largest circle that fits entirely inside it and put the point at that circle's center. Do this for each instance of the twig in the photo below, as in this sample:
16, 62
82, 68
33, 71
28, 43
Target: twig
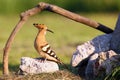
44, 6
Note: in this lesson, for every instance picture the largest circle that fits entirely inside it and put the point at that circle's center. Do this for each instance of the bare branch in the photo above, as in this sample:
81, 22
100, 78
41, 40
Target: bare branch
76, 17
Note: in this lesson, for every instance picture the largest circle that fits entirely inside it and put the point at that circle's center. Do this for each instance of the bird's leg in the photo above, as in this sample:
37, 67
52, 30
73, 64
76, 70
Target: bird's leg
42, 59
45, 59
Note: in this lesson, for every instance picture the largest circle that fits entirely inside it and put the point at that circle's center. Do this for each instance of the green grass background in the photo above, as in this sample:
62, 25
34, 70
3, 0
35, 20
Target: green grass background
67, 35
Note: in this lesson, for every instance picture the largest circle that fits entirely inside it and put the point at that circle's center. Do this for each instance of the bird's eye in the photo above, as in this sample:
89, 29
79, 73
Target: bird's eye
35, 24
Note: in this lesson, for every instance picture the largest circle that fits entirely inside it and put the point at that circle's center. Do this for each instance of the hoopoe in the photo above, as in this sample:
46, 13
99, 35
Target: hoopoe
42, 46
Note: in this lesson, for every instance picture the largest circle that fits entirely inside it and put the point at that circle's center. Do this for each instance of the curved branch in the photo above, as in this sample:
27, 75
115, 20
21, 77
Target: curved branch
23, 18
44, 6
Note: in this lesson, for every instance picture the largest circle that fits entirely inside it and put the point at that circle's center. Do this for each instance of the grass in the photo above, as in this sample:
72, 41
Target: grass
59, 75
67, 35
114, 75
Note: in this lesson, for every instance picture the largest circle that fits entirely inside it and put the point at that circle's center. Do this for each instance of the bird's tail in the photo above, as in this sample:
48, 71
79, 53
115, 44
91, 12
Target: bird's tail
60, 62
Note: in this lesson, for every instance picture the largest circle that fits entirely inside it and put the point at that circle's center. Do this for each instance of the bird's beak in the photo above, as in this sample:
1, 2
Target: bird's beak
50, 31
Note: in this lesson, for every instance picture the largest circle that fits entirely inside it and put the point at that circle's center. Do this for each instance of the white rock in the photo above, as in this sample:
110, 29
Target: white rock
98, 44
36, 66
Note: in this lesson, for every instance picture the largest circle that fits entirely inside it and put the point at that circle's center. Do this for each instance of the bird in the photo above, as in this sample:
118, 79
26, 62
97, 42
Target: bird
42, 46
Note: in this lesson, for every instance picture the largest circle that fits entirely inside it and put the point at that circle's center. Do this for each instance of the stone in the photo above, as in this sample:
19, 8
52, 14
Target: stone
38, 65
115, 40
89, 72
101, 64
108, 61
98, 44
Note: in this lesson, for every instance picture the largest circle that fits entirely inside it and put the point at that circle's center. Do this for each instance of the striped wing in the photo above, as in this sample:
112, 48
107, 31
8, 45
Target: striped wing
47, 49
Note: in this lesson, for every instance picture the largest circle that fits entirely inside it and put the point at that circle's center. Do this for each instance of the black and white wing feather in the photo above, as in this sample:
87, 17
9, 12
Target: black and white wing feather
47, 49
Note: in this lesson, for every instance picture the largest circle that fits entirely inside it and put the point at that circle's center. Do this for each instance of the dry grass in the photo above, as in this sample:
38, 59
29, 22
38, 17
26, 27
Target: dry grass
59, 75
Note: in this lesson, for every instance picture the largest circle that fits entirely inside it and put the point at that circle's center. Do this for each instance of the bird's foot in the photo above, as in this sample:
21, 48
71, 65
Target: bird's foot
45, 59
42, 60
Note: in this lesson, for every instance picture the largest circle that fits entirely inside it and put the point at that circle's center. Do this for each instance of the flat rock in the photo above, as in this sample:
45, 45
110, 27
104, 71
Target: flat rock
38, 65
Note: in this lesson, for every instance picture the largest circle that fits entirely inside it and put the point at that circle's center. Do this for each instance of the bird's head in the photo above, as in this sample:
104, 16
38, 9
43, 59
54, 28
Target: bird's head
42, 27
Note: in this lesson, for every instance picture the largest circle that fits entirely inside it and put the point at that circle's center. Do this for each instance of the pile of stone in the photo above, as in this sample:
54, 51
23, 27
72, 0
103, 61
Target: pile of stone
99, 56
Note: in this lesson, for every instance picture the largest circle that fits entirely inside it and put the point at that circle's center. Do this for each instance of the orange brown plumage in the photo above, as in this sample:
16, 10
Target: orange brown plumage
42, 46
